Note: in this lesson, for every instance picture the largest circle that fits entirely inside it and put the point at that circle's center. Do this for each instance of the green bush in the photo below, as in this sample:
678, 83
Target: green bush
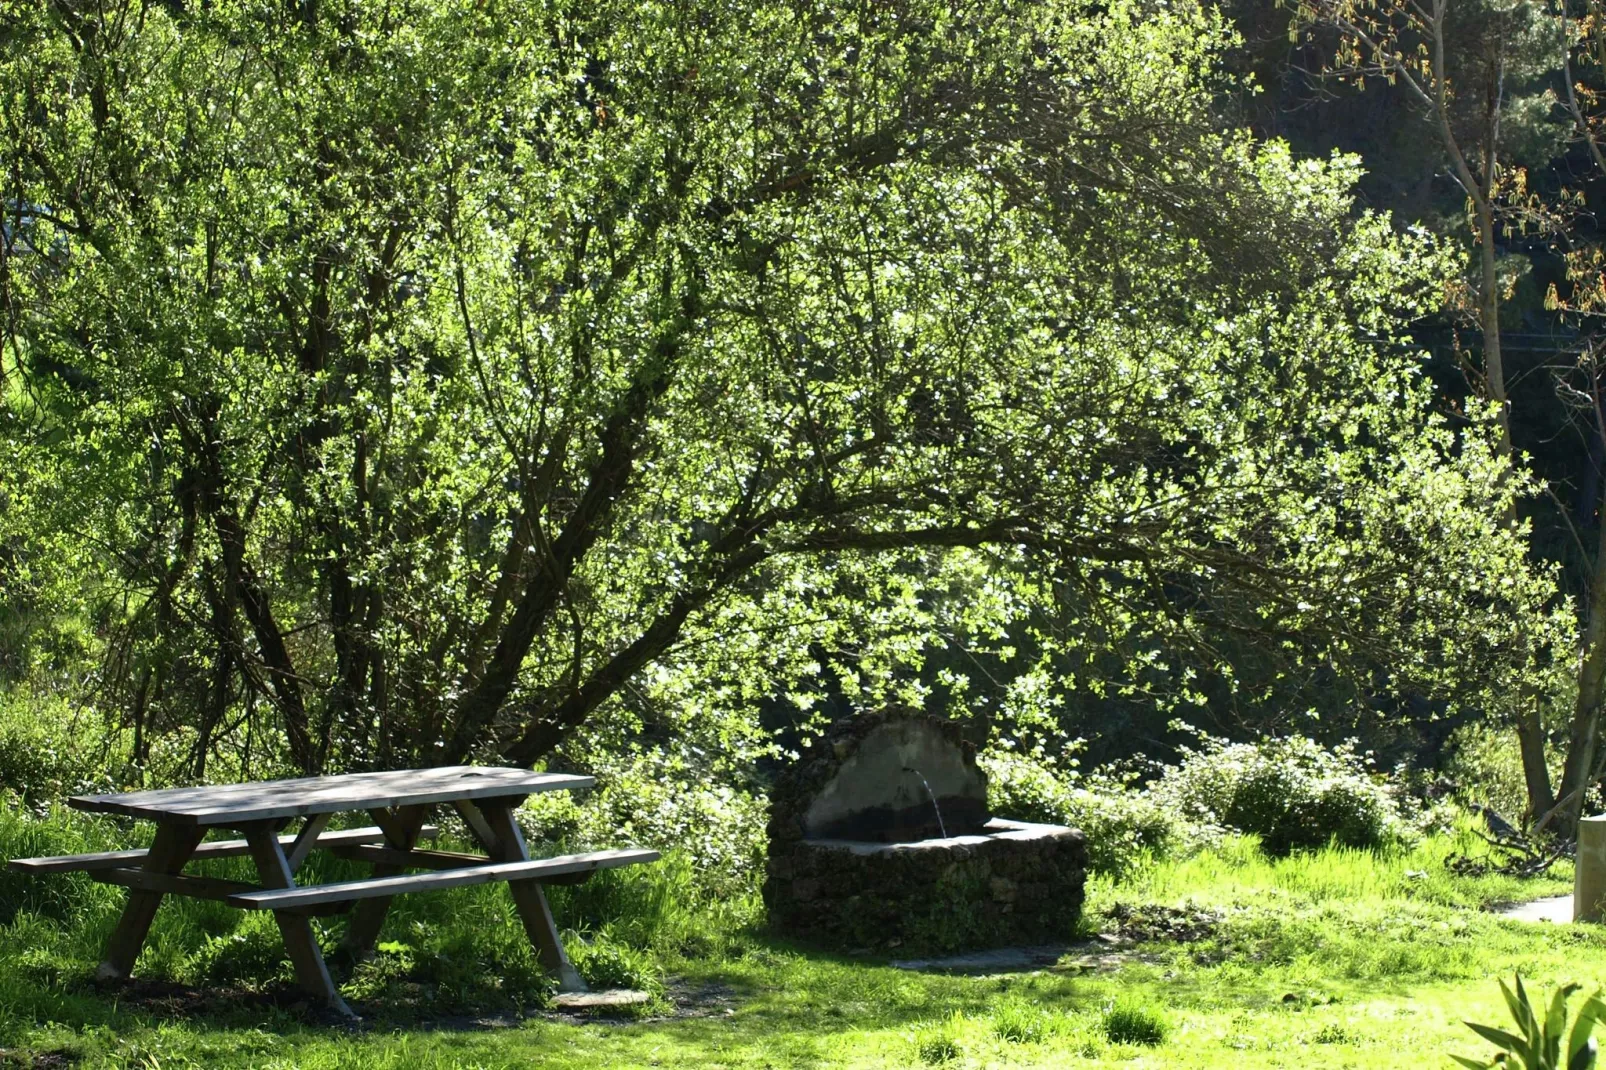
251, 955
45, 751
1122, 823
1293, 793
648, 804
1485, 763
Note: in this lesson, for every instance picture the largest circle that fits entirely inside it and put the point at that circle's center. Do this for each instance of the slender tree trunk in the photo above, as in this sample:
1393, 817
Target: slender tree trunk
1583, 735
1494, 370
1530, 728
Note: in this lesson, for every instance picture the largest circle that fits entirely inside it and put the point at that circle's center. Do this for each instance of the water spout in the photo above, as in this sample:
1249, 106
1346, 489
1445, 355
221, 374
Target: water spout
932, 796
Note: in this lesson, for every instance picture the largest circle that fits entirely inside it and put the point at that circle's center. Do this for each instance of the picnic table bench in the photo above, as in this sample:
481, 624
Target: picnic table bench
398, 802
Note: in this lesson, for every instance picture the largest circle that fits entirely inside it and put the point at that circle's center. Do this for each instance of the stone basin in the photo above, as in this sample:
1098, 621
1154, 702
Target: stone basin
998, 883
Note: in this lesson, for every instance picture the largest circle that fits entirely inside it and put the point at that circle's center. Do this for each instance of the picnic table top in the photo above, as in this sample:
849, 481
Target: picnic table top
226, 804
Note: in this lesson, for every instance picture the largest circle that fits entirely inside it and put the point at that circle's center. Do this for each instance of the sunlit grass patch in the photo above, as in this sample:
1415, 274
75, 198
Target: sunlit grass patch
939, 1042
1020, 1021
1131, 1020
1326, 959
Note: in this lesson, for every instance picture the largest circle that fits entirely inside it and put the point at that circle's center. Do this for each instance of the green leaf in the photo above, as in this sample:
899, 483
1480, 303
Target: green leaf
1556, 1023
1590, 1013
1499, 1037
1473, 1064
1531, 1048
1584, 1057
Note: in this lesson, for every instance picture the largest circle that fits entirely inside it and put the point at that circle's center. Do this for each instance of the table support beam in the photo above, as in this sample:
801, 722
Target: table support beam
507, 845
401, 826
274, 871
169, 851
306, 840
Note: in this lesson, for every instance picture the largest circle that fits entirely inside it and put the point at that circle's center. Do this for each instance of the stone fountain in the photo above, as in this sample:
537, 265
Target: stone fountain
880, 837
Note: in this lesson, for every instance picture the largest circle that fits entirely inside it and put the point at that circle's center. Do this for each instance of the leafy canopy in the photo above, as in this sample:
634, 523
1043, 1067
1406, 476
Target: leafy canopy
421, 381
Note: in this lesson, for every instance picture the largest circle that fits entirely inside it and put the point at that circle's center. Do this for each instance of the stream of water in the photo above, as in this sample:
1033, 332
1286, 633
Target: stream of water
930, 795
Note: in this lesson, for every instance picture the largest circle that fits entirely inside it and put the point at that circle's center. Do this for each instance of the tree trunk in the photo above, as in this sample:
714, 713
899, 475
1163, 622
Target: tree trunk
1582, 737
1535, 771
1530, 728
1494, 371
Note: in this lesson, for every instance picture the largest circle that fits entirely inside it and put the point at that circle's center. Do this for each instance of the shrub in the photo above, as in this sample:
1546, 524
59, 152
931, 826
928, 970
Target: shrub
44, 752
645, 803
252, 954
1132, 1022
1544, 1038
1487, 765
1121, 822
1293, 793
449, 969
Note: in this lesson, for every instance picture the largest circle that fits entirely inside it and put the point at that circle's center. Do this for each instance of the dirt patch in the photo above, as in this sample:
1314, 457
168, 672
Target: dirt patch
171, 1000
1146, 923
37, 1060
705, 999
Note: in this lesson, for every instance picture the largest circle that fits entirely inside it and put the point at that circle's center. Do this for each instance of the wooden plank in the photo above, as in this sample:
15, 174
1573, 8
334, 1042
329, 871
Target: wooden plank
195, 887
169, 851
273, 869
233, 804
395, 832
216, 849
476, 824
534, 869
415, 859
530, 901
175, 883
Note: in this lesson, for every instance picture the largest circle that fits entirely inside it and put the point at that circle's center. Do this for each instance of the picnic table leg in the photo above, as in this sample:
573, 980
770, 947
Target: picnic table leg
401, 827
273, 870
170, 849
529, 900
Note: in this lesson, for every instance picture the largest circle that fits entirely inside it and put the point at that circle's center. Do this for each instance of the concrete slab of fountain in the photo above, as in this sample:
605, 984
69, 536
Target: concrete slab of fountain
880, 837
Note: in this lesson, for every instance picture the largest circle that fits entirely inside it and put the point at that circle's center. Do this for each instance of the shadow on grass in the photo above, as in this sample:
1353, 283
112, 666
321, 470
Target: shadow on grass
765, 985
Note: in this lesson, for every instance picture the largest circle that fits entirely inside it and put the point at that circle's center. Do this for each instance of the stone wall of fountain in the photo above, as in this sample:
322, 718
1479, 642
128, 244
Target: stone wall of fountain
880, 837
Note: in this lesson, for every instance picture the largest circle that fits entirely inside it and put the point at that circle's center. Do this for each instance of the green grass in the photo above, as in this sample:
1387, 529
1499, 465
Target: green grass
1132, 1021
1332, 959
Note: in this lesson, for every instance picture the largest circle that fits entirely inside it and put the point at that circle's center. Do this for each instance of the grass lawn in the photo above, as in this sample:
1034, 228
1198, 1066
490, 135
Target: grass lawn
1333, 959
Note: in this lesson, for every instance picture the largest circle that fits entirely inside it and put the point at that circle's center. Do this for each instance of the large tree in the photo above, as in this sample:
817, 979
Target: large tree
433, 380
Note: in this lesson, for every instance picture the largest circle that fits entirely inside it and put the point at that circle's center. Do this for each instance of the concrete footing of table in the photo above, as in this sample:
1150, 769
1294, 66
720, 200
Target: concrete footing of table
599, 1001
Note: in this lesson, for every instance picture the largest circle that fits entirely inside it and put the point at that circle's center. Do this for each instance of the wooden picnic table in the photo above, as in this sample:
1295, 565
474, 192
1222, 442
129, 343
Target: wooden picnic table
398, 802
